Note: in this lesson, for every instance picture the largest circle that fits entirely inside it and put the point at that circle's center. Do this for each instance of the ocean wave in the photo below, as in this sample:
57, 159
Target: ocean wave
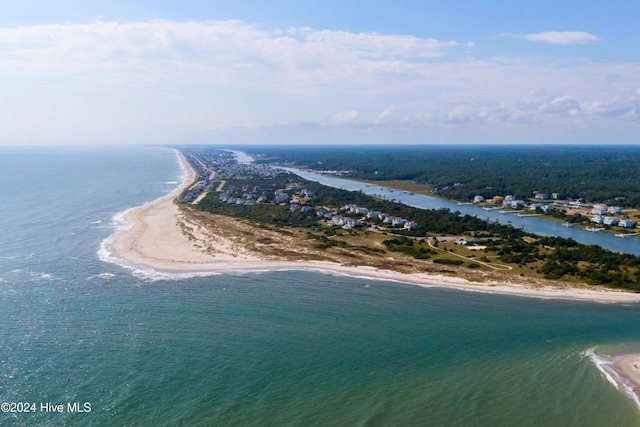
606, 365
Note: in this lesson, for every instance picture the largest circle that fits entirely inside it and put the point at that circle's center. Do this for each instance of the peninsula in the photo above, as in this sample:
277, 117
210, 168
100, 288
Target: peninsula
179, 233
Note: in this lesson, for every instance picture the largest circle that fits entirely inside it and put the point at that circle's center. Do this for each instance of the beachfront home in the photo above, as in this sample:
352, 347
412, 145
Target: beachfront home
478, 199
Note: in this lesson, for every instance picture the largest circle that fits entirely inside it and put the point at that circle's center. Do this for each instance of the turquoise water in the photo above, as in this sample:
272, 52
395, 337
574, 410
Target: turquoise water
279, 348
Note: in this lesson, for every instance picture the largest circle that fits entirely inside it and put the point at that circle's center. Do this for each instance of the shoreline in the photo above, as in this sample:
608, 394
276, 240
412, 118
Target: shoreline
160, 238
621, 370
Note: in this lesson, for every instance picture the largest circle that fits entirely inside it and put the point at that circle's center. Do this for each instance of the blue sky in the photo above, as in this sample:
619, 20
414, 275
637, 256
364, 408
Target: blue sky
329, 72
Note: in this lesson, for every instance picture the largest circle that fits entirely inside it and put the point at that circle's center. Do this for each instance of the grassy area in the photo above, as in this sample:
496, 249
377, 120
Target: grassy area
411, 186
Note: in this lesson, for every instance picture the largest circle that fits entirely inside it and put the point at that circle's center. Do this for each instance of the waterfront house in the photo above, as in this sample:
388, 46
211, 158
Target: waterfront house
626, 223
599, 209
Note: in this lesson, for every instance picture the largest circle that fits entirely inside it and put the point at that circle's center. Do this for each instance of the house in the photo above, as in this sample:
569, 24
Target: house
294, 207
281, 197
626, 223
308, 193
610, 220
478, 199
541, 196
599, 209
350, 223
373, 215
322, 212
597, 219
398, 222
514, 203
555, 196
614, 210
410, 225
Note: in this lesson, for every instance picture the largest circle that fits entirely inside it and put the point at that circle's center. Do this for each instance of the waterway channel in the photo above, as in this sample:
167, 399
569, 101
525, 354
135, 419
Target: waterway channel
531, 224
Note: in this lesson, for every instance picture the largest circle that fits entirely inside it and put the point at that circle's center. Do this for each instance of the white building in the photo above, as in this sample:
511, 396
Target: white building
599, 209
626, 223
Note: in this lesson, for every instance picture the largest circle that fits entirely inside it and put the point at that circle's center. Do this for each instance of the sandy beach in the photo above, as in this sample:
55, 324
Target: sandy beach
629, 367
163, 238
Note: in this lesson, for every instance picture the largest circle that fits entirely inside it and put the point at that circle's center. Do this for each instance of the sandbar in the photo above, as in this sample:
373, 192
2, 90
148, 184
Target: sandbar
161, 237
629, 367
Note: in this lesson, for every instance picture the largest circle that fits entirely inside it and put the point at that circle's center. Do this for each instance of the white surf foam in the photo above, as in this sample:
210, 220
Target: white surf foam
605, 365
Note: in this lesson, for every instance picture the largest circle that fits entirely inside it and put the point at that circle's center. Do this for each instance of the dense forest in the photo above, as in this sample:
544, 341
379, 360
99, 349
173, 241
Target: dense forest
607, 174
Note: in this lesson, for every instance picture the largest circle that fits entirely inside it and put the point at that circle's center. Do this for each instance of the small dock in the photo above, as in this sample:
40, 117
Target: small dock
625, 235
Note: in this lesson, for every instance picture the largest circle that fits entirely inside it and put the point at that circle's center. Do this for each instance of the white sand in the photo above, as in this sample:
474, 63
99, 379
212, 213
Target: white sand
157, 239
629, 366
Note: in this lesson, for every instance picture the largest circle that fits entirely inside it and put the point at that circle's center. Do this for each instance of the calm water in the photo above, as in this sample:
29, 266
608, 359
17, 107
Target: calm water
531, 224
280, 348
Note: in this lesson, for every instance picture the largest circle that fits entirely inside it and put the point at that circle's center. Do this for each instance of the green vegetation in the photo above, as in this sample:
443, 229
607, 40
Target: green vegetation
448, 261
549, 257
595, 174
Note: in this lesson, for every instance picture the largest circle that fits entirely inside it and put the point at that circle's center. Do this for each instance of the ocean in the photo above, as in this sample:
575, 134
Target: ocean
87, 340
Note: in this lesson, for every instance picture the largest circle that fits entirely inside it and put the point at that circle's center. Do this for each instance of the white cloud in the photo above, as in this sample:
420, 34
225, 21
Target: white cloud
231, 74
347, 116
556, 37
213, 52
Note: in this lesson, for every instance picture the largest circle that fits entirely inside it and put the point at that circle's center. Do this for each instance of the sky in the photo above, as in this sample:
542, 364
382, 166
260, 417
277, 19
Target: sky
319, 72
